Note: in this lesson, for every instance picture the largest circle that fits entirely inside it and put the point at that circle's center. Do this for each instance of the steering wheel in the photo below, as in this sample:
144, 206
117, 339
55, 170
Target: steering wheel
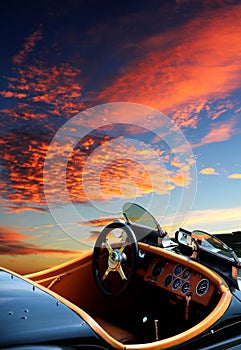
114, 258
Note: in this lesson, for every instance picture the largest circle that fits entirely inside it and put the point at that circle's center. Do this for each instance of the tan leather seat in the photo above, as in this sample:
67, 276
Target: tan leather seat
116, 332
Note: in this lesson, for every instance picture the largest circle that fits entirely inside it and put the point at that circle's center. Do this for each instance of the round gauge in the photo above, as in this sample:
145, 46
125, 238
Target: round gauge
168, 280
202, 287
186, 273
177, 283
186, 287
157, 269
177, 270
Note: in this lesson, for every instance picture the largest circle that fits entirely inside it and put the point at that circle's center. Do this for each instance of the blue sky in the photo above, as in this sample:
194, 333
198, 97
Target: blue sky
71, 65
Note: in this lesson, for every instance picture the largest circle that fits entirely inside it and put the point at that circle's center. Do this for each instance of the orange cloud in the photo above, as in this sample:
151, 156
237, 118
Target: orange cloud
208, 171
100, 222
24, 175
100, 169
15, 94
215, 113
56, 87
219, 132
14, 243
235, 176
202, 62
10, 235
121, 169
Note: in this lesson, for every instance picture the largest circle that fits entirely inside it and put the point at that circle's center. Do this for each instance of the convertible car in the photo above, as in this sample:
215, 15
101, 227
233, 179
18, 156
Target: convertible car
137, 289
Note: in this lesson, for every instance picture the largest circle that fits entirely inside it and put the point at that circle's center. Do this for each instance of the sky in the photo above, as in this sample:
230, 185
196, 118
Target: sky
104, 102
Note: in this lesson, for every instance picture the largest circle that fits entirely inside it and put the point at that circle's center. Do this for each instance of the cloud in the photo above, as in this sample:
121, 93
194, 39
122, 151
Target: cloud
14, 243
235, 176
102, 221
47, 90
181, 70
19, 209
208, 218
98, 168
114, 169
52, 90
28, 46
22, 169
220, 131
14, 94
208, 171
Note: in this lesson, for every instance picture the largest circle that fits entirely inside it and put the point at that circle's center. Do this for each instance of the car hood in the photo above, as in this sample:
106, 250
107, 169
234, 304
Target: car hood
30, 315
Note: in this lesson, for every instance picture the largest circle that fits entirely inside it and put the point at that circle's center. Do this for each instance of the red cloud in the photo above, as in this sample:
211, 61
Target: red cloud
201, 62
28, 47
219, 132
54, 87
15, 94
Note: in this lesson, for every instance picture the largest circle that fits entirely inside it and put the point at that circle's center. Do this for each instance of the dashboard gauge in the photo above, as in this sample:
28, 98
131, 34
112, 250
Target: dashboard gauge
186, 273
202, 287
186, 287
168, 280
177, 270
157, 269
177, 283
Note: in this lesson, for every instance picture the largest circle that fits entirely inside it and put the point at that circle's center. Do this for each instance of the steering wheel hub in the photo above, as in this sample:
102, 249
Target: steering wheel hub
115, 259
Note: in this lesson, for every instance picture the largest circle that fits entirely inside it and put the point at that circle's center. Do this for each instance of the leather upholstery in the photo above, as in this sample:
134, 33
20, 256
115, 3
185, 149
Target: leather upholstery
123, 336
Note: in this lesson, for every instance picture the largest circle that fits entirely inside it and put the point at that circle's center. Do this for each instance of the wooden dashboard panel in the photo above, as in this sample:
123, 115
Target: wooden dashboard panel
180, 279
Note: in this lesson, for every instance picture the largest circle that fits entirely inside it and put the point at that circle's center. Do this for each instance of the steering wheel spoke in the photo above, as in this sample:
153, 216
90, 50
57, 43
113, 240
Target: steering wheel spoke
122, 248
108, 246
106, 274
122, 274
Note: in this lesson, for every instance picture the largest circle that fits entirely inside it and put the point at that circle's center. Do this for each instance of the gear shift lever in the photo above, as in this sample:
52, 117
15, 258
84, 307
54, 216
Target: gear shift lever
156, 329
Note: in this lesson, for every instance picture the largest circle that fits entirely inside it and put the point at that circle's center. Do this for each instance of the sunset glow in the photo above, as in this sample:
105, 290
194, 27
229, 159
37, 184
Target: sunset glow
101, 105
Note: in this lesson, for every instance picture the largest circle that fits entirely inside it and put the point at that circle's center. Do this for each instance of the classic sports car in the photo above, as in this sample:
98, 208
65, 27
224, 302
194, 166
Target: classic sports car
138, 289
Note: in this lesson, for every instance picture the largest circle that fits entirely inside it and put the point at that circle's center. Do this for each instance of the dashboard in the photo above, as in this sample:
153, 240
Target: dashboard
179, 279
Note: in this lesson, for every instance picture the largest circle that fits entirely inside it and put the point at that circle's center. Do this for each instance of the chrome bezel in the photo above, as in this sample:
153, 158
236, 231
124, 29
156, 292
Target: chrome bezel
189, 287
178, 266
179, 285
207, 287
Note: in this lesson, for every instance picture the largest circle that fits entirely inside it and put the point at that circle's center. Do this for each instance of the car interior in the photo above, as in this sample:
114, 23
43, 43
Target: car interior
168, 299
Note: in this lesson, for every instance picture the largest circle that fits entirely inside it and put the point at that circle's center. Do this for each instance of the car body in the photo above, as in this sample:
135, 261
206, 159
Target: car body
138, 289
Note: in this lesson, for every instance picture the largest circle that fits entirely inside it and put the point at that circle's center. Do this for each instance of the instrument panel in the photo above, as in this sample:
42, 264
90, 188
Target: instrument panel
179, 279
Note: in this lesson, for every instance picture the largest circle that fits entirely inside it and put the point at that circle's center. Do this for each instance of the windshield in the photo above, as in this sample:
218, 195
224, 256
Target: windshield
216, 245
233, 240
136, 214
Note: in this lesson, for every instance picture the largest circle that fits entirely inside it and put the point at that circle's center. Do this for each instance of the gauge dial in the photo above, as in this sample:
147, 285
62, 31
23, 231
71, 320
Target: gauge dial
202, 287
177, 283
177, 270
157, 269
168, 280
186, 287
186, 273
